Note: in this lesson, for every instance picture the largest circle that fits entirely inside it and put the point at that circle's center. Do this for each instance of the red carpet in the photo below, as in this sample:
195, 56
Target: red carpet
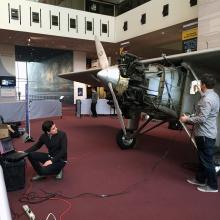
148, 182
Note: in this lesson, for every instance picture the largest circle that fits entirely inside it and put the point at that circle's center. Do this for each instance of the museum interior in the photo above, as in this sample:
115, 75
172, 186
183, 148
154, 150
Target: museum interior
113, 77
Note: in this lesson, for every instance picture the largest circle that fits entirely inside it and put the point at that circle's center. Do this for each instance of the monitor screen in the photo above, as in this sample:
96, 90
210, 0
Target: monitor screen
9, 81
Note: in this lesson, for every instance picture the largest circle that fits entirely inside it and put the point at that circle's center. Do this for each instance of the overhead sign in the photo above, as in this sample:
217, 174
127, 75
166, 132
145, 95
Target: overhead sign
190, 34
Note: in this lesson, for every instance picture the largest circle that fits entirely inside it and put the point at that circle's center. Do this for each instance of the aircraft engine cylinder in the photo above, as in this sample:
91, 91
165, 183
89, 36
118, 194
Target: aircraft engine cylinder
122, 85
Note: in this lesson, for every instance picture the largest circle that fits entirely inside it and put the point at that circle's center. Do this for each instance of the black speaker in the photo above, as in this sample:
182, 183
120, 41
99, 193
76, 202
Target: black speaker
193, 2
14, 174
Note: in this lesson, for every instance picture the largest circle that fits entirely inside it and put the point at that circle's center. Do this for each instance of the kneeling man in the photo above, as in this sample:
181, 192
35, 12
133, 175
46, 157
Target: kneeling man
50, 163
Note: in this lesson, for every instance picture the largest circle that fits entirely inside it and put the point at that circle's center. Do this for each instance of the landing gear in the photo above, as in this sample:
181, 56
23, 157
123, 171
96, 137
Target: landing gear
125, 143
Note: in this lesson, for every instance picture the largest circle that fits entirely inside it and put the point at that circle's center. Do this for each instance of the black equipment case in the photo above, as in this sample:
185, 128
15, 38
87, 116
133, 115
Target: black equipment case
14, 174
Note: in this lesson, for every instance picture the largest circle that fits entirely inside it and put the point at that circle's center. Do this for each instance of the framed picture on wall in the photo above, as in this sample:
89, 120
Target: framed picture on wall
80, 91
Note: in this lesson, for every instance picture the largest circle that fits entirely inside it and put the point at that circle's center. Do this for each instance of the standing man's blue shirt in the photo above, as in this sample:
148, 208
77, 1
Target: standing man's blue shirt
206, 115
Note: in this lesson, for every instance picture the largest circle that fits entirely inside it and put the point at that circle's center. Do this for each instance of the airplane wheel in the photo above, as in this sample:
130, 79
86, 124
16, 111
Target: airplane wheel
125, 143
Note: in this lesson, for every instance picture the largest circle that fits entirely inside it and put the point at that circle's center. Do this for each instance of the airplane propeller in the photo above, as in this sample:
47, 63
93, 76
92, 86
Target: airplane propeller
112, 80
118, 110
103, 60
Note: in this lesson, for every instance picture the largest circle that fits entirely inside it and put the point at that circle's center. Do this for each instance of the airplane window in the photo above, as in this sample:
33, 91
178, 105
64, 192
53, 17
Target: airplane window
153, 86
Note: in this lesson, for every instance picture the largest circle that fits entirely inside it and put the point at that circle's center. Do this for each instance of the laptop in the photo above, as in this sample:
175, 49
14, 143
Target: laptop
8, 151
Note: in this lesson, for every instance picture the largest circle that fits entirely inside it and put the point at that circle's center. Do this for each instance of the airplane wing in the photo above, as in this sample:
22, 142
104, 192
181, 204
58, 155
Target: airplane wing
201, 61
87, 76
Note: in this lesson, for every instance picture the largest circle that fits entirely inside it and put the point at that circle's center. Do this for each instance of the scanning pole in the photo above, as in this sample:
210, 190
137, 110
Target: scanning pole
27, 135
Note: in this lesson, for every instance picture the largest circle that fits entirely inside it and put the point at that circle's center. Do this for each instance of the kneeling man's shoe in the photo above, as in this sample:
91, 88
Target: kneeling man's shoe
37, 177
59, 176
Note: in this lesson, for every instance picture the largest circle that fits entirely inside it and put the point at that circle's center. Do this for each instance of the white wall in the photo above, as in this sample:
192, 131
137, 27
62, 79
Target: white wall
179, 11
209, 31
208, 24
25, 24
79, 63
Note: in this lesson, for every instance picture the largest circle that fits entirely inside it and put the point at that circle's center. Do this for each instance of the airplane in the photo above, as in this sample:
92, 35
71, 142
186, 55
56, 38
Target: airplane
158, 87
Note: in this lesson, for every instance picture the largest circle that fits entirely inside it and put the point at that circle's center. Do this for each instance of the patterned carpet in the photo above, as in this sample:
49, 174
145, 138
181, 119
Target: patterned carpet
102, 182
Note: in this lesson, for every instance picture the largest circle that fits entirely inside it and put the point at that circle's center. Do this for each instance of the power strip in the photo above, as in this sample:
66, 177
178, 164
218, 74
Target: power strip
28, 211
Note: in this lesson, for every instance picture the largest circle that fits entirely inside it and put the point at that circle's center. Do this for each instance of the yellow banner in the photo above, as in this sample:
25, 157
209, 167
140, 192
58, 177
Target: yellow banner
189, 34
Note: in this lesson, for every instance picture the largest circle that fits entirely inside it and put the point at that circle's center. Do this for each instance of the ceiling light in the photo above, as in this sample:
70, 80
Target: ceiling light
125, 43
190, 24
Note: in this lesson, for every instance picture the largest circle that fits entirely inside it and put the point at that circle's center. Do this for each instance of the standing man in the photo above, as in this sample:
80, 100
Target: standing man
94, 102
50, 163
205, 131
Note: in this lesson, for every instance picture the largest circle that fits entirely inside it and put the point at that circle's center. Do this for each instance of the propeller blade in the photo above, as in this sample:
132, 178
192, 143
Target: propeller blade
118, 110
103, 61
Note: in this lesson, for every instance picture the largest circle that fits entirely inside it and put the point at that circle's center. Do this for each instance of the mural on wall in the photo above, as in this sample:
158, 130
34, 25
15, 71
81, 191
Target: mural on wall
43, 77
3, 71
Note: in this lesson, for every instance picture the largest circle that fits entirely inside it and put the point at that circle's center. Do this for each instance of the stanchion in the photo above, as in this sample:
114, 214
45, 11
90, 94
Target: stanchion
27, 135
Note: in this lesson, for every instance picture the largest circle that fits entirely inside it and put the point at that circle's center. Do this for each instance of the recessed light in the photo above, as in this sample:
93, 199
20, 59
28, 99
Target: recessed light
125, 43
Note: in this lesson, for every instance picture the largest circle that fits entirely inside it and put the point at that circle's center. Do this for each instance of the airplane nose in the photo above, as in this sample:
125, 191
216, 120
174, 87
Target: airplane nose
111, 74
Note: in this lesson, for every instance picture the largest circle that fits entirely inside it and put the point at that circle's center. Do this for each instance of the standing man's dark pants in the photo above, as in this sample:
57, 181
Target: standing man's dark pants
37, 159
93, 109
206, 170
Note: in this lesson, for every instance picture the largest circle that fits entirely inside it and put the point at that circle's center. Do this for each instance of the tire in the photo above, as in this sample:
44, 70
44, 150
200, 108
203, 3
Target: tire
123, 143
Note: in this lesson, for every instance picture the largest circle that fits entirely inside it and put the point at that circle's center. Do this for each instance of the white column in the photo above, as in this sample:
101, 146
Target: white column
208, 24
5, 213
209, 32
79, 64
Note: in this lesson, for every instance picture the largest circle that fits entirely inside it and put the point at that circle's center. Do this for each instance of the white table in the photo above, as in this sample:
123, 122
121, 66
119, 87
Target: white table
15, 111
102, 108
